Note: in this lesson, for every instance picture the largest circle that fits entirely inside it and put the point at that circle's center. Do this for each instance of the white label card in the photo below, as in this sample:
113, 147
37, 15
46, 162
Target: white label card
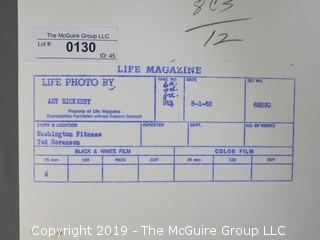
71, 44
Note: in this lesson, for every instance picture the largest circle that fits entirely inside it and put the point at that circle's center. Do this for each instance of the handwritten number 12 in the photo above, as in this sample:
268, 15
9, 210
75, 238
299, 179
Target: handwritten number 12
224, 39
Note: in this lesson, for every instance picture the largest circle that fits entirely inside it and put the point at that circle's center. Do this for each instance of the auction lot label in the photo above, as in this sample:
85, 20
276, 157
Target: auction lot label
71, 44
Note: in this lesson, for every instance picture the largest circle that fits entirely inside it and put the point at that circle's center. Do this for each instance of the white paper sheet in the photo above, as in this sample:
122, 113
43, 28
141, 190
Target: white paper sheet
173, 119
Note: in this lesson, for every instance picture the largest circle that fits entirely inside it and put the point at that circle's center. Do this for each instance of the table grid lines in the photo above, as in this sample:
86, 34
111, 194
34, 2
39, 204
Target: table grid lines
245, 161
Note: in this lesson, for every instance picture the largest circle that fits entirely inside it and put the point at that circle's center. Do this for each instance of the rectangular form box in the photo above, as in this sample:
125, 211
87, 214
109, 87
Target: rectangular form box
51, 159
272, 172
269, 100
193, 172
206, 99
120, 160
216, 134
125, 150
269, 134
233, 151
194, 159
150, 173
85, 173
272, 159
120, 173
163, 151
129, 139
85, 160
105, 151
87, 134
169, 98
156, 159
58, 44
232, 172
161, 134
194, 151
93, 98
232, 159
51, 173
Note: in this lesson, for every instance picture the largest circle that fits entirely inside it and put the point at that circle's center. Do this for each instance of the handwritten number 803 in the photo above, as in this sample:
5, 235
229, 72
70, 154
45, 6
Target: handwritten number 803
227, 4
198, 4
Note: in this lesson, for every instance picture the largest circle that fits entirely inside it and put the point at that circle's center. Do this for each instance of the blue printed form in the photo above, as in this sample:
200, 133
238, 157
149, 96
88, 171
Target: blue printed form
122, 128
